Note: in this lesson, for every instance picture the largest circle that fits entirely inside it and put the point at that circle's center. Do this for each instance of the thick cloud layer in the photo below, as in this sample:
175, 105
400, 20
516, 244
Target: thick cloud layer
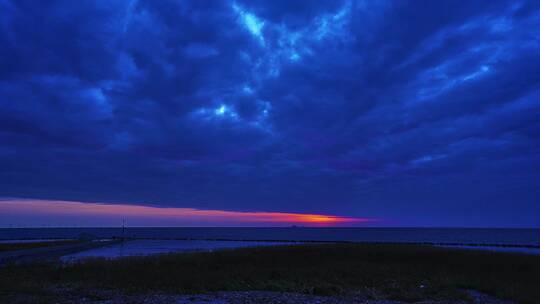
417, 113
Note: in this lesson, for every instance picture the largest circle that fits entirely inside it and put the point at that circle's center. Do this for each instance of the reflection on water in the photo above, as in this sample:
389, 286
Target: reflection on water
527, 250
150, 247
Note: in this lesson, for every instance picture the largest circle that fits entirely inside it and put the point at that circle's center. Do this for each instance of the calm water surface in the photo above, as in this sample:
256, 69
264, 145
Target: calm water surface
151, 247
499, 249
397, 235
164, 240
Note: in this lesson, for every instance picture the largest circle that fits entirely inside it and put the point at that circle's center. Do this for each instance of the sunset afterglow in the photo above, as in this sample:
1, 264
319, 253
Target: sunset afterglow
15, 211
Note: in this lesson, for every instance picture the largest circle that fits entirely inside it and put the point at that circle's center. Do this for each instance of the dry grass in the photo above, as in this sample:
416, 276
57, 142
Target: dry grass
401, 272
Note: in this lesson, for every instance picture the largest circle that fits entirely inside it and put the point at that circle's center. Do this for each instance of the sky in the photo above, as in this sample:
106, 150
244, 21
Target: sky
363, 113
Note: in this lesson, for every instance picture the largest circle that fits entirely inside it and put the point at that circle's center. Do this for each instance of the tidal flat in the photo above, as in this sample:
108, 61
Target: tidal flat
315, 273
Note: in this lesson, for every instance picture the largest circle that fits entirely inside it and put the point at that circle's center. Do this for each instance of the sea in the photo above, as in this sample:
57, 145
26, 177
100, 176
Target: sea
148, 240
448, 236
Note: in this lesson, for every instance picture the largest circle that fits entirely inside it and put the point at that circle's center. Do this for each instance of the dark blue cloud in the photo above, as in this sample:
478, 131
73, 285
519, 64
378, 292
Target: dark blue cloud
420, 113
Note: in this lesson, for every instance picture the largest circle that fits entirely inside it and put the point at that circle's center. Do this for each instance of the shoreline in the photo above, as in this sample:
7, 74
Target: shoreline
498, 237
443, 244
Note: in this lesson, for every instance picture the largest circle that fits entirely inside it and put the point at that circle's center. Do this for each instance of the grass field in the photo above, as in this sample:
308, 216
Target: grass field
400, 272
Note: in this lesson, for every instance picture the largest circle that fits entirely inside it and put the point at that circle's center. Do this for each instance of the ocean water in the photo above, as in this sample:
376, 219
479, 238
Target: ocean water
442, 236
152, 247
527, 250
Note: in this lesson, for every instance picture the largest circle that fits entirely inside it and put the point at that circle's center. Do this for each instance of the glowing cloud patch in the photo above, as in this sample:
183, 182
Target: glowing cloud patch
332, 25
481, 71
253, 24
438, 81
290, 46
294, 57
427, 159
27, 211
247, 90
221, 112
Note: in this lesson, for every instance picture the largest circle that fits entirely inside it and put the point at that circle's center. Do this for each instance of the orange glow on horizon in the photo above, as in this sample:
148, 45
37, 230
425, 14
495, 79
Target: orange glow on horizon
58, 210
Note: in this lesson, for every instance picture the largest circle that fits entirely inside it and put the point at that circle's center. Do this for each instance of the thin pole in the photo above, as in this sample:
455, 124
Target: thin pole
123, 229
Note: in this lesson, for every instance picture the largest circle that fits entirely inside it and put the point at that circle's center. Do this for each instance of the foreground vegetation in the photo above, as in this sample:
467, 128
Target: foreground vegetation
31, 245
401, 272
